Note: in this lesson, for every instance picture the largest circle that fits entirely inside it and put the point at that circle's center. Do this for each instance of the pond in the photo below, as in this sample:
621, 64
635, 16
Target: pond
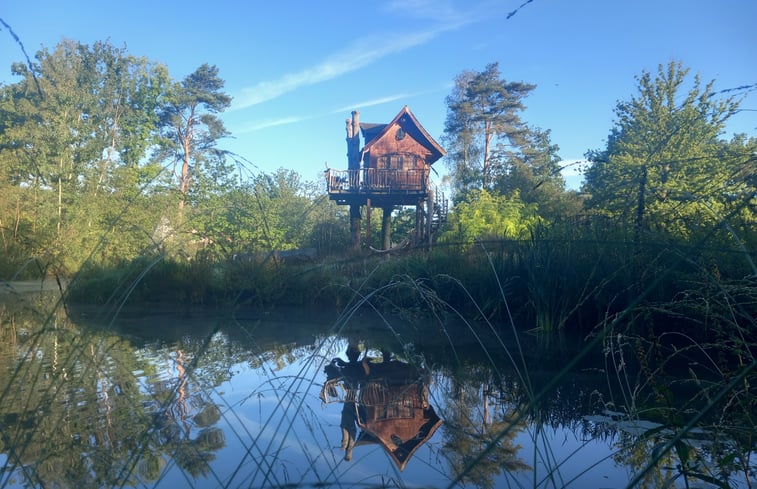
92, 397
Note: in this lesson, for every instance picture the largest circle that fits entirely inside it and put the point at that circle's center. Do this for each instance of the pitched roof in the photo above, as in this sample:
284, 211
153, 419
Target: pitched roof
408, 122
416, 432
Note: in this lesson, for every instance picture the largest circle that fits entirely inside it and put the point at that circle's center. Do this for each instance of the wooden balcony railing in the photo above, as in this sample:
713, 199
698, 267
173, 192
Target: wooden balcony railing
372, 180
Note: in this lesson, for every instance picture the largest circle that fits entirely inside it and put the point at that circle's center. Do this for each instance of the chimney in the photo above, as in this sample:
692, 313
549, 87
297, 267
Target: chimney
353, 141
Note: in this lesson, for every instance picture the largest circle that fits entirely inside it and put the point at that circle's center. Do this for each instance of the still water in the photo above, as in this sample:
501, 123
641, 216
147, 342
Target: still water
157, 398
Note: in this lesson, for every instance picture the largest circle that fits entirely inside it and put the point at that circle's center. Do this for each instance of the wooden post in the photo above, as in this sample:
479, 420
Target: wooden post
386, 228
368, 221
429, 216
355, 226
419, 222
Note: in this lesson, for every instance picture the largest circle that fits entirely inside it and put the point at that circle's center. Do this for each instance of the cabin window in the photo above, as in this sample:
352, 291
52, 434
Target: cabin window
399, 161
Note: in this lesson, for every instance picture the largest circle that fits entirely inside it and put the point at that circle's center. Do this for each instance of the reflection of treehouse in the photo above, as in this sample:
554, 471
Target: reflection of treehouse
392, 169
389, 404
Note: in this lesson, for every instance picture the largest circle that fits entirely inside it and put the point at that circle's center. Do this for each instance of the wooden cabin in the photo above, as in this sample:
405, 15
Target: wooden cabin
391, 169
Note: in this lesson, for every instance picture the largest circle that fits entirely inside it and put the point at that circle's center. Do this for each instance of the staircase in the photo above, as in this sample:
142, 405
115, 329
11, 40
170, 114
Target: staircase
439, 212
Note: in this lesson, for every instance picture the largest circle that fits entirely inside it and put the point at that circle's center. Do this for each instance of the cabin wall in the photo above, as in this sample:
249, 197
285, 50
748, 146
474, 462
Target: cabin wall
393, 143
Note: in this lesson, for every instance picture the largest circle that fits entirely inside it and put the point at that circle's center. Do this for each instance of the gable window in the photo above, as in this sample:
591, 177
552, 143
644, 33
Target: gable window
400, 135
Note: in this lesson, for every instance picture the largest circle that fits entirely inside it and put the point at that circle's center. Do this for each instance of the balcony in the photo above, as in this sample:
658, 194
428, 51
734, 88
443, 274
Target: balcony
376, 181
382, 186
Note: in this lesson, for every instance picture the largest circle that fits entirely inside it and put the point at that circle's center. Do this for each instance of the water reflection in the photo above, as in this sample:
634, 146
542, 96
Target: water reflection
155, 399
88, 409
387, 399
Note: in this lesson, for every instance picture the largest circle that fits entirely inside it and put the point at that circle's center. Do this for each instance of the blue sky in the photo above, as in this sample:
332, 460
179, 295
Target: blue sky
297, 69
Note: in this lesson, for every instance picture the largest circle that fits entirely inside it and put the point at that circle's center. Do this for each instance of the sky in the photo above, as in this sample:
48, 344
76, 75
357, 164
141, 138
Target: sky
297, 69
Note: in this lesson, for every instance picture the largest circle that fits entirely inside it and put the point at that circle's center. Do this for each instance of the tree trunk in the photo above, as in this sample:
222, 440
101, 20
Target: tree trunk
640, 205
487, 144
368, 222
184, 184
185, 180
60, 204
17, 221
429, 216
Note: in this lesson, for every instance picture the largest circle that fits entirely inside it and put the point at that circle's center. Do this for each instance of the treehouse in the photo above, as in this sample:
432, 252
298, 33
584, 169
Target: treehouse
392, 169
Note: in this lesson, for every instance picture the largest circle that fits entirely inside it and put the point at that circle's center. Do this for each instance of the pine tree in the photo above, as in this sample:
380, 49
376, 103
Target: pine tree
482, 113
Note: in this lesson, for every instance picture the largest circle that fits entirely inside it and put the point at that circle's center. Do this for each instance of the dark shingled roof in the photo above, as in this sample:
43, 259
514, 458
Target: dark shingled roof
371, 130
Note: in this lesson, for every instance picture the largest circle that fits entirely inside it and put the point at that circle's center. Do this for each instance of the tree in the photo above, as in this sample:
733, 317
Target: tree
268, 212
75, 130
532, 170
483, 215
190, 126
482, 112
664, 167
286, 209
479, 439
739, 201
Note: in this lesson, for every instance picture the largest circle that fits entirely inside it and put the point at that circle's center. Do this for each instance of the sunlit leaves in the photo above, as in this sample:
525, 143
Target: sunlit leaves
665, 167
483, 215
76, 127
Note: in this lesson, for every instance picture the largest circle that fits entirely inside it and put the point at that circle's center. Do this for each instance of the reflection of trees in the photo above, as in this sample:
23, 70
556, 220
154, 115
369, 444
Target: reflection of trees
635, 452
88, 409
705, 456
479, 434
174, 421
75, 395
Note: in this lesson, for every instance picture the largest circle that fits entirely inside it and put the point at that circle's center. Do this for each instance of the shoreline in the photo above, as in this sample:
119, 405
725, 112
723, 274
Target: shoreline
30, 286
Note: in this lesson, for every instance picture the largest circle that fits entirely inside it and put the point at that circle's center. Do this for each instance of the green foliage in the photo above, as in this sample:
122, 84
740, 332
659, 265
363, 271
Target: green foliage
267, 212
74, 130
483, 215
490, 148
532, 171
330, 234
77, 185
665, 169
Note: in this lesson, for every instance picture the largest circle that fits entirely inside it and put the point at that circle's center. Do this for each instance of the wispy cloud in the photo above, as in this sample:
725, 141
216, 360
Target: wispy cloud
360, 54
257, 126
445, 16
373, 102
391, 98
